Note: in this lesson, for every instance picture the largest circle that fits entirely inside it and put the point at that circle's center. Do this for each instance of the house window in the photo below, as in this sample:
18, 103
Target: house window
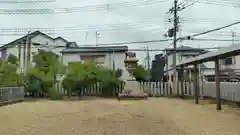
97, 59
229, 61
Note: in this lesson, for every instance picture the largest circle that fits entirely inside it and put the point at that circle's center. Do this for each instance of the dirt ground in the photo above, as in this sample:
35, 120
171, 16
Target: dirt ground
160, 116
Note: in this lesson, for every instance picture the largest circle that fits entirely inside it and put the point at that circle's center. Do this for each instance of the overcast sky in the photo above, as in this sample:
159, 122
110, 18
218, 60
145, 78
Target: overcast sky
197, 18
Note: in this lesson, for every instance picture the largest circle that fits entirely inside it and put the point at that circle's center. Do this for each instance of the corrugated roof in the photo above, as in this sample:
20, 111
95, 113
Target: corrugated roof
231, 50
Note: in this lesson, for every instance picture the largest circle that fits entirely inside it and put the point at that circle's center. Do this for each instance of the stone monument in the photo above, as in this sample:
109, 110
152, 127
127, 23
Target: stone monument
132, 87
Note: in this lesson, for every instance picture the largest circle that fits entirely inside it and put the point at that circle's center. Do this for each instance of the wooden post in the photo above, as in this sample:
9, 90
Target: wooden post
217, 80
182, 81
195, 86
190, 81
177, 83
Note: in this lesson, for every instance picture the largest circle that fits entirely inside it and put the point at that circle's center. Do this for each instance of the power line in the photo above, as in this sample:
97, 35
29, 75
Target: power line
106, 27
121, 43
233, 4
84, 28
141, 42
25, 1
181, 38
212, 30
103, 7
131, 49
186, 5
222, 40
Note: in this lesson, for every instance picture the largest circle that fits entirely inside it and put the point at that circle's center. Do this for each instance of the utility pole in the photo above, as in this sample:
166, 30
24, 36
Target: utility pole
181, 41
200, 75
233, 36
28, 54
148, 58
175, 26
19, 54
24, 53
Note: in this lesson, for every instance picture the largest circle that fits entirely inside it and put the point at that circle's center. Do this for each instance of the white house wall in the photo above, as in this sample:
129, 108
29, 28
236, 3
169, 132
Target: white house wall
236, 65
237, 58
108, 63
207, 72
210, 65
44, 41
40, 39
170, 60
210, 68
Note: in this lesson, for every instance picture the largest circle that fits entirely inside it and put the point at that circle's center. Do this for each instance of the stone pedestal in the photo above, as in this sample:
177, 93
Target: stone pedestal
133, 86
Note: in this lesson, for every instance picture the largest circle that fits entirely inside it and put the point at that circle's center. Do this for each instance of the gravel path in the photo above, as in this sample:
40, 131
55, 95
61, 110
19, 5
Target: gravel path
109, 117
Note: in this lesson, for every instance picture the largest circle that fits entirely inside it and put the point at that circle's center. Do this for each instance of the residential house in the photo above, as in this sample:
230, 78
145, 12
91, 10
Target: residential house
230, 64
230, 68
183, 53
112, 57
28, 45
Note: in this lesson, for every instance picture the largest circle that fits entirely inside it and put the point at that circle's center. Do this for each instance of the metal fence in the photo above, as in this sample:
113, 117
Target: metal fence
11, 94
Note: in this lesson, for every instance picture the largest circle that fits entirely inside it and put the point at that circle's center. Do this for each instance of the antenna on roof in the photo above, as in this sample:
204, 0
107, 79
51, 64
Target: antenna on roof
86, 36
97, 34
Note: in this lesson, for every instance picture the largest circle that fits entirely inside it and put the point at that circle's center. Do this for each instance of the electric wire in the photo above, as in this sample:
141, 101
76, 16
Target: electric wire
25, 1
128, 43
105, 45
103, 7
107, 27
209, 31
186, 5
226, 3
139, 24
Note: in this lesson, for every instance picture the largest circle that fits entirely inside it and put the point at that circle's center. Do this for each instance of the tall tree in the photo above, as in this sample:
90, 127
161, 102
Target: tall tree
43, 74
140, 73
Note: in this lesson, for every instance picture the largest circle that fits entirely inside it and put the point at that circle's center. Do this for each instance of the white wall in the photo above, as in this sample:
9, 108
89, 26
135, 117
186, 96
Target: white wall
119, 60
44, 40
210, 68
170, 60
179, 58
236, 65
40, 39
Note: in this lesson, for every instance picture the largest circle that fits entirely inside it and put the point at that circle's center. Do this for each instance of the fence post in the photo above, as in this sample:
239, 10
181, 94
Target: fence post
182, 81
165, 88
195, 83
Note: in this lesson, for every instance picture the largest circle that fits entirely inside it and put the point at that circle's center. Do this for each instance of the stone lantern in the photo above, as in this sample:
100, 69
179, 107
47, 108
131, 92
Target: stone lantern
130, 61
